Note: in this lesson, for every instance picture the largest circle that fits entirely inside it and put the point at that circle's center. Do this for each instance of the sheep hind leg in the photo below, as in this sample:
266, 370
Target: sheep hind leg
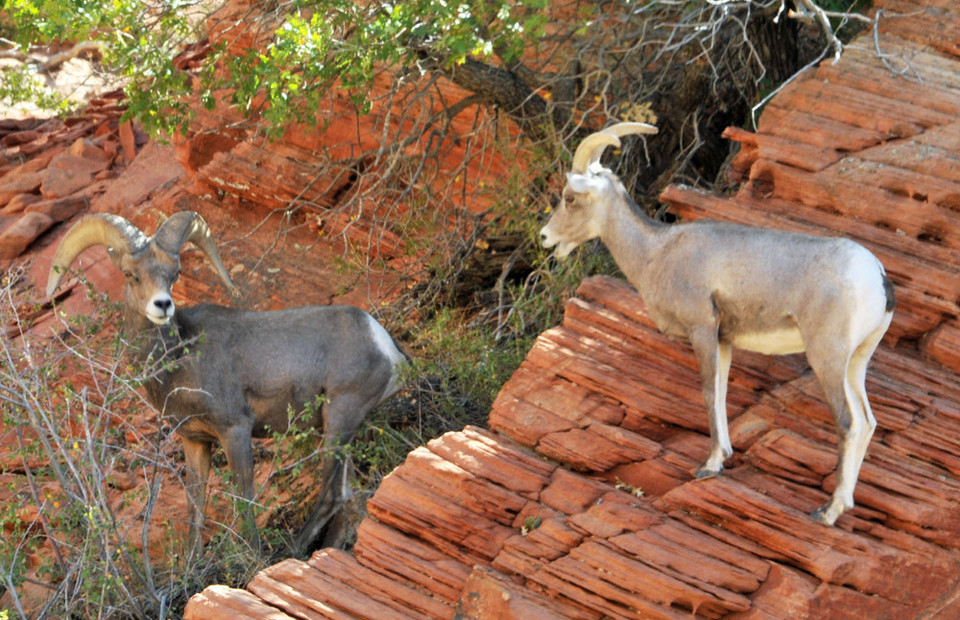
342, 417
845, 389
714, 358
854, 439
327, 516
852, 429
857, 376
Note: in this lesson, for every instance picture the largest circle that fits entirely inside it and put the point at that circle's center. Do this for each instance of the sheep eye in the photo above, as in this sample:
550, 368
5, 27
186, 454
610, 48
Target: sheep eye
134, 278
176, 276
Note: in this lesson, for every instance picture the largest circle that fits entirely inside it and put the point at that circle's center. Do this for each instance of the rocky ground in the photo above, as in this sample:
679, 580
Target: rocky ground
578, 500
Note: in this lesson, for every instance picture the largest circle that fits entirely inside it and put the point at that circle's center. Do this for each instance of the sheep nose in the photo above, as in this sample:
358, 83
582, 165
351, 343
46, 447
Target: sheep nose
545, 238
159, 309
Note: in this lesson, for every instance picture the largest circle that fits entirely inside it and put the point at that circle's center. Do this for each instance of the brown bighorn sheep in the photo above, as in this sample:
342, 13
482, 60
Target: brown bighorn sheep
245, 370
720, 285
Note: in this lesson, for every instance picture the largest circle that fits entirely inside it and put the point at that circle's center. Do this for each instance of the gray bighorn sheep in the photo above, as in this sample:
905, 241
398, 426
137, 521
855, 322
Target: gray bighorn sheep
245, 369
720, 285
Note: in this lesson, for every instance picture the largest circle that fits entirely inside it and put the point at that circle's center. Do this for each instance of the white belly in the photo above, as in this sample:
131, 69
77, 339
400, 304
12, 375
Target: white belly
779, 342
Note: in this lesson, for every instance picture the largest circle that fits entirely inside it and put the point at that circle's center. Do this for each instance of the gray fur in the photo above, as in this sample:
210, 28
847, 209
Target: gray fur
237, 374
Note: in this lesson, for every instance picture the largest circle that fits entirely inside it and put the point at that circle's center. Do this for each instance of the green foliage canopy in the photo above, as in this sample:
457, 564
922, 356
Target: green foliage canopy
314, 46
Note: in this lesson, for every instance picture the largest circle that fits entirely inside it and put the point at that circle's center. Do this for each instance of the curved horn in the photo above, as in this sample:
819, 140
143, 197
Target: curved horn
590, 150
100, 229
189, 226
626, 129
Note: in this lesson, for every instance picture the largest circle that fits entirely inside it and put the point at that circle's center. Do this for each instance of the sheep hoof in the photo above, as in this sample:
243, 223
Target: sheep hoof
822, 515
703, 472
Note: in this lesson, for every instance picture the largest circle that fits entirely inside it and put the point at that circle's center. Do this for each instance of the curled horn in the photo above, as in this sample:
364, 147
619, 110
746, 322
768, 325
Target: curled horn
626, 129
101, 229
590, 150
189, 226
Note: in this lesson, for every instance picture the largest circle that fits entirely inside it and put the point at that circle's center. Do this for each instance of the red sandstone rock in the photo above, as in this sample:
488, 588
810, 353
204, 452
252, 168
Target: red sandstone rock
489, 594
127, 141
20, 202
153, 170
24, 183
19, 137
333, 584
73, 169
60, 209
60, 182
223, 603
15, 239
943, 345
93, 157
410, 560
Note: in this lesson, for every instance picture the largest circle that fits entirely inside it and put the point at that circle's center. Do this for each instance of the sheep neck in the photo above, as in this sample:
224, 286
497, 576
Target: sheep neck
158, 344
633, 238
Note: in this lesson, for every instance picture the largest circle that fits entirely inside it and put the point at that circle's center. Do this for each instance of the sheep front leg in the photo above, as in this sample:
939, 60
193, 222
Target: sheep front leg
197, 456
714, 358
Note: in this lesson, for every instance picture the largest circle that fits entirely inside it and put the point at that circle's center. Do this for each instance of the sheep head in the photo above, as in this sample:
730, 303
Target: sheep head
579, 216
150, 265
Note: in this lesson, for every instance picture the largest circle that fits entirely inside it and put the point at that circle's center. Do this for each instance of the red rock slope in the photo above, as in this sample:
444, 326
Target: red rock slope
579, 502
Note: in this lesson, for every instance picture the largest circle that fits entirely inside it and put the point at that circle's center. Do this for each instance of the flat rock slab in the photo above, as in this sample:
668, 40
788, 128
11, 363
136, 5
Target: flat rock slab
15, 238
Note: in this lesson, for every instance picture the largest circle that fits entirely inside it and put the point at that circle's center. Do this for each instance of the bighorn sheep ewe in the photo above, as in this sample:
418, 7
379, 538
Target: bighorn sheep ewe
245, 370
720, 285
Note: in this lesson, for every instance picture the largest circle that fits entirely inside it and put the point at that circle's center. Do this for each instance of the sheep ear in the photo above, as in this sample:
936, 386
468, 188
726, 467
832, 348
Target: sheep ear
114, 256
584, 183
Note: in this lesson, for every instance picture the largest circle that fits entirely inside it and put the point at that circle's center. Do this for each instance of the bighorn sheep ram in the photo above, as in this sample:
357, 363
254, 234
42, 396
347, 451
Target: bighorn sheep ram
245, 370
721, 285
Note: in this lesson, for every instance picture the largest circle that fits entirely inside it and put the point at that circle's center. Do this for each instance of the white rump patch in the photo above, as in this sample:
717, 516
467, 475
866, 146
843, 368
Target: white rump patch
384, 341
385, 344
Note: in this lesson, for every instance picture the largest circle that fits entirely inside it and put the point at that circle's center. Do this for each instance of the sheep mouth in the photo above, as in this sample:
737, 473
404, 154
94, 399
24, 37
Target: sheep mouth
159, 310
160, 319
561, 249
